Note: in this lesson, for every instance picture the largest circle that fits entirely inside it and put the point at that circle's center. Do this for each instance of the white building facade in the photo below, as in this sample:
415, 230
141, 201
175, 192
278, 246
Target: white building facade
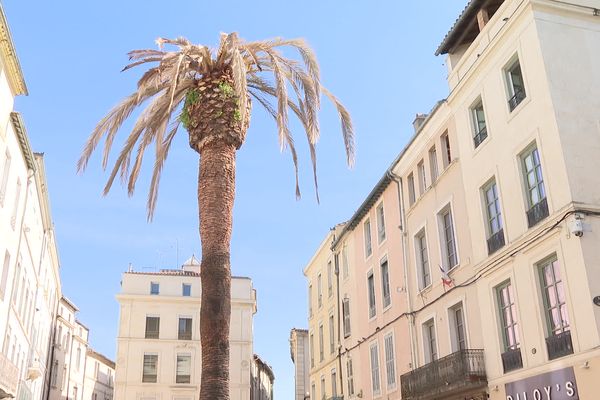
99, 377
158, 343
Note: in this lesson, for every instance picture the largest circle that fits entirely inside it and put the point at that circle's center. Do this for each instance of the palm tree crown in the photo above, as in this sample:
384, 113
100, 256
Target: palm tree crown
209, 93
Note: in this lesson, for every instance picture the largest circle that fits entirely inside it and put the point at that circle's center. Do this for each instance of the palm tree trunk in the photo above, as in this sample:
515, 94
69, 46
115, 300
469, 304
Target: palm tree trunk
216, 192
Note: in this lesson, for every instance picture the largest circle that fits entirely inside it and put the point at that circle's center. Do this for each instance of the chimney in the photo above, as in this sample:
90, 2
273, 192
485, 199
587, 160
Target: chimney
418, 122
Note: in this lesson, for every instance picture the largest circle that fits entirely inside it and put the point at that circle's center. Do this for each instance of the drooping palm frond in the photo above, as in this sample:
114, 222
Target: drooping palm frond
257, 68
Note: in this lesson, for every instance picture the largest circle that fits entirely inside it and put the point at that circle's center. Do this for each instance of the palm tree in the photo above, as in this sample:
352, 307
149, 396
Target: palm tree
209, 94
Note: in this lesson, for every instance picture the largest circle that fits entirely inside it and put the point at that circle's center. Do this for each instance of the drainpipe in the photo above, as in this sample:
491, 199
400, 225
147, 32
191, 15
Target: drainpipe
339, 324
404, 233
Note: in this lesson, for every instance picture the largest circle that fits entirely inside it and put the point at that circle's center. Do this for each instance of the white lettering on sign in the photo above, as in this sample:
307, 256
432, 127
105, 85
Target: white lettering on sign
547, 390
569, 387
537, 395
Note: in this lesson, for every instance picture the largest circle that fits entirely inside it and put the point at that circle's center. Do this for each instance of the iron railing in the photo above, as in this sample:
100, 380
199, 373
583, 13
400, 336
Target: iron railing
537, 212
512, 360
559, 345
496, 241
464, 369
518, 97
9, 376
480, 136
184, 336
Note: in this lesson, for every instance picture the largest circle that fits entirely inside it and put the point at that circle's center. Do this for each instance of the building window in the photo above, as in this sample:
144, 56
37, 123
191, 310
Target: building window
154, 288
479, 125
346, 314
457, 323
185, 328
345, 266
331, 335
320, 290
534, 184
433, 165
150, 369
321, 343
186, 289
78, 359
54, 378
390, 367
422, 177
5, 175
152, 327
4, 279
514, 84
329, 279
380, 223
333, 383
375, 383
310, 303
430, 341
367, 233
446, 151
557, 316
371, 291
508, 316
323, 392
13, 218
385, 284
184, 368
313, 391
411, 189
449, 241
494, 217
350, 376
422, 260
312, 350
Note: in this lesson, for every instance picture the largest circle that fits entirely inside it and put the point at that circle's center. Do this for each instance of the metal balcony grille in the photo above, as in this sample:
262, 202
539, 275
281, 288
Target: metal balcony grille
537, 213
514, 101
480, 136
512, 360
464, 369
184, 336
559, 345
496, 241
182, 379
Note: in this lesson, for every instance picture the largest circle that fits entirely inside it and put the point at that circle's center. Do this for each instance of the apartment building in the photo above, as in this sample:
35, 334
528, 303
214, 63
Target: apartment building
67, 377
300, 353
372, 295
323, 333
499, 216
158, 344
99, 377
261, 380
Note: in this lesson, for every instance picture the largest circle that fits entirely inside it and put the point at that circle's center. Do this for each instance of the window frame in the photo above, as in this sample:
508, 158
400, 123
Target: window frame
380, 217
346, 317
433, 164
424, 267
154, 285
537, 168
375, 369
184, 335
552, 262
371, 295
412, 195
445, 240
512, 93
430, 342
350, 376
148, 334
391, 361
151, 378
183, 377
505, 326
478, 118
422, 175
385, 283
447, 149
183, 291
368, 239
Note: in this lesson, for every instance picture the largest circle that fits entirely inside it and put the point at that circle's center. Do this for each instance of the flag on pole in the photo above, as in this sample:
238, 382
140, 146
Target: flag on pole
446, 280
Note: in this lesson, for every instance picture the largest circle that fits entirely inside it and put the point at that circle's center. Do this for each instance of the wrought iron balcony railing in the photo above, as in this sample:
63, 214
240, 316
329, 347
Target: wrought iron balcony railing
559, 345
480, 136
512, 360
9, 377
462, 370
514, 101
537, 212
496, 241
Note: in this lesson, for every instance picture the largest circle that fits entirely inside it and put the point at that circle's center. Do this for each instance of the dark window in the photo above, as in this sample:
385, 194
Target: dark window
185, 329
152, 327
150, 368
186, 289
154, 288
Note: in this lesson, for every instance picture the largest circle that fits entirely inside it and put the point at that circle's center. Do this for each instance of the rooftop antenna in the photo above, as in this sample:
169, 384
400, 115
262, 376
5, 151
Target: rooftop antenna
130, 268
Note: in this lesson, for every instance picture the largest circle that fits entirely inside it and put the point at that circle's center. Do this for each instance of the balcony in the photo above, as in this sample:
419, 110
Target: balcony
9, 378
495, 242
559, 345
537, 212
514, 101
480, 136
462, 371
512, 360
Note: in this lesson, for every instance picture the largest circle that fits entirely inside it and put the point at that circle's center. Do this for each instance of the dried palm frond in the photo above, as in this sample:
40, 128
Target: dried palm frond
256, 68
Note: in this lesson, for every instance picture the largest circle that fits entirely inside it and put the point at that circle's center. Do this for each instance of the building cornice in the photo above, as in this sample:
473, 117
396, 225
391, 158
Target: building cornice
10, 59
23, 139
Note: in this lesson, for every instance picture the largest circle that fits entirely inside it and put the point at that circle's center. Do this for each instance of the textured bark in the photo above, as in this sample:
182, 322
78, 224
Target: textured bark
216, 192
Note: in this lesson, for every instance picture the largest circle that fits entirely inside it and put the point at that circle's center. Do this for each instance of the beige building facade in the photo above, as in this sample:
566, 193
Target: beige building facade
158, 343
99, 377
300, 353
498, 209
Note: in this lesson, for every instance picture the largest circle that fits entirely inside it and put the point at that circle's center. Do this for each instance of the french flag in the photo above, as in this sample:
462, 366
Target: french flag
446, 280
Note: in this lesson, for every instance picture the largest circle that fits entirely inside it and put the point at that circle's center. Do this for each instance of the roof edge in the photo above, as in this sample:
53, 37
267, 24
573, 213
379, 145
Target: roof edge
9, 54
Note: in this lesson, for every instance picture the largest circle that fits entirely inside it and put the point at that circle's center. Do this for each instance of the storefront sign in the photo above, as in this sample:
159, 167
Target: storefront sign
555, 385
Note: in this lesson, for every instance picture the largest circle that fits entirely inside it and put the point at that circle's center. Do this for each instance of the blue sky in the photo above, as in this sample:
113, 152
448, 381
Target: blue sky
378, 59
